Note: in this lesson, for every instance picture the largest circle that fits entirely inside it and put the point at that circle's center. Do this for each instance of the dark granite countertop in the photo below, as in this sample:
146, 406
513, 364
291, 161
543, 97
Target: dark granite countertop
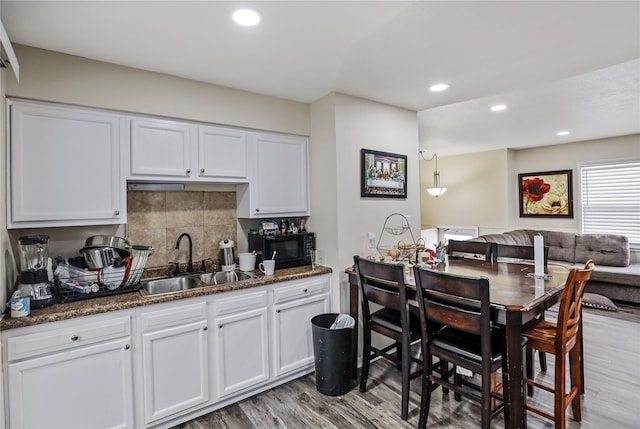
108, 304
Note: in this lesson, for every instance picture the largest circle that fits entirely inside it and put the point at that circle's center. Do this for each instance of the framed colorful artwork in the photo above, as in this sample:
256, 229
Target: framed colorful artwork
383, 174
546, 194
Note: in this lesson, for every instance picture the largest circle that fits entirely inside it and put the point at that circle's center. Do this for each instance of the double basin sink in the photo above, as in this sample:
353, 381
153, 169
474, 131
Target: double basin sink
192, 281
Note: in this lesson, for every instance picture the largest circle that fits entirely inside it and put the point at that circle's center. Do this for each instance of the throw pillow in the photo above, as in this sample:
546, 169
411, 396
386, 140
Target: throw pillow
598, 301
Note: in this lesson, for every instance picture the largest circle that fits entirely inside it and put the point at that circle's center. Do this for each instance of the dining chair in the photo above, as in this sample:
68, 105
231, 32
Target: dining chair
460, 306
474, 249
562, 338
522, 253
383, 284
516, 252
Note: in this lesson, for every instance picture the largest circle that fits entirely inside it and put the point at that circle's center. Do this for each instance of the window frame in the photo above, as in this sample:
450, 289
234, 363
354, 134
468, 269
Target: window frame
634, 246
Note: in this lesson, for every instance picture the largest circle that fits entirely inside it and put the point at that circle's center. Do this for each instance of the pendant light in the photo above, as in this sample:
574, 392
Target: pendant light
437, 189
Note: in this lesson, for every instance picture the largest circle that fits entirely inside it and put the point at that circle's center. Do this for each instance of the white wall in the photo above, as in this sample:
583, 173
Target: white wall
483, 189
566, 157
52, 76
338, 210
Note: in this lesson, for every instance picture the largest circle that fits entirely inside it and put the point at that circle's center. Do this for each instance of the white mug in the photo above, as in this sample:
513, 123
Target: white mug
268, 266
247, 261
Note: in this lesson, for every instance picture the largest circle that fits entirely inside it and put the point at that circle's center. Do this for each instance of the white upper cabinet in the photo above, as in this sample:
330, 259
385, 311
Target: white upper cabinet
64, 167
185, 152
222, 152
160, 148
279, 183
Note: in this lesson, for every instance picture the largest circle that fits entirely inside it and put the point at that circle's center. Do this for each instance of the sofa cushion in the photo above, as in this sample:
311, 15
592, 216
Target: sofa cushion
627, 276
604, 249
562, 245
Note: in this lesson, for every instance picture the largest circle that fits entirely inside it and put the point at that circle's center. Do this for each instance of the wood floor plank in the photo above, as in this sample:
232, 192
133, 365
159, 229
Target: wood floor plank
611, 400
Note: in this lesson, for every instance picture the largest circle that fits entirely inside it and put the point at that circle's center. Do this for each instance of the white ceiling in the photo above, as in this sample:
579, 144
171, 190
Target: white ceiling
557, 65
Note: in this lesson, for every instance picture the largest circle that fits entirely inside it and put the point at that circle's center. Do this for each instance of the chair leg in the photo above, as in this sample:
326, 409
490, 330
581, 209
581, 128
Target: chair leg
486, 401
529, 369
406, 354
543, 361
581, 357
559, 407
574, 368
366, 359
457, 380
425, 400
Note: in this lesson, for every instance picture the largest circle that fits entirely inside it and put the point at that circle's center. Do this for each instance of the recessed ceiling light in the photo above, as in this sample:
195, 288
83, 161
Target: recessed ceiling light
246, 17
563, 133
498, 108
439, 87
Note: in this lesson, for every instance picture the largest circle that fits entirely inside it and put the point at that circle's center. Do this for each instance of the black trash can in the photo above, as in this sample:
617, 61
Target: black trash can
332, 350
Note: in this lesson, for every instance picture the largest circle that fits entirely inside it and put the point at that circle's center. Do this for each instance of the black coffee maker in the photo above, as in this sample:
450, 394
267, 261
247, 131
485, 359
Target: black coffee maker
33, 279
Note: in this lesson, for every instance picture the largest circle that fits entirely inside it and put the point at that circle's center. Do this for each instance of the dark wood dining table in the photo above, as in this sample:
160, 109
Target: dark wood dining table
516, 298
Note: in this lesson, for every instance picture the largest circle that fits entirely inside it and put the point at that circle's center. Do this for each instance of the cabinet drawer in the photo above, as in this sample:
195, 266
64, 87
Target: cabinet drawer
301, 289
173, 316
247, 301
30, 345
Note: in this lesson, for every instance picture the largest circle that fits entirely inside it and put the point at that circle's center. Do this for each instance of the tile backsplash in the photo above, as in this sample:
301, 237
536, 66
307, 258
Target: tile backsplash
158, 218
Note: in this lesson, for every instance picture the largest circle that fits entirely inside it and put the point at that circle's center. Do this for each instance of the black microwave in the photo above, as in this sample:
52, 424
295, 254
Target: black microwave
292, 250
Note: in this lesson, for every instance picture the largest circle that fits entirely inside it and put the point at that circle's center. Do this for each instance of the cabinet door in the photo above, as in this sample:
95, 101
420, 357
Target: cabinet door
64, 167
292, 332
222, 152
160, 148
242, 350
96, 381
175, 369
280, 183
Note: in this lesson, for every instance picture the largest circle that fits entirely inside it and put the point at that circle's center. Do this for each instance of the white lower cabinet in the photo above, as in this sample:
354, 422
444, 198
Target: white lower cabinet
86, 382
175, 359
162, 364
241, 342
294, 307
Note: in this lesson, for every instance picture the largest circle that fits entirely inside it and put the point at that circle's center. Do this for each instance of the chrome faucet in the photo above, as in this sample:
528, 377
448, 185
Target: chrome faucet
190, 266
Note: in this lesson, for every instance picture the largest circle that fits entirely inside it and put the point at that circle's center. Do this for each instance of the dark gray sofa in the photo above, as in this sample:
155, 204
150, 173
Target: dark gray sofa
614, 276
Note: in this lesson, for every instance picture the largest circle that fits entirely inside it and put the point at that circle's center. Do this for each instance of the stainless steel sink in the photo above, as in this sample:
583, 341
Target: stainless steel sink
188, 282
169, 285
224, 277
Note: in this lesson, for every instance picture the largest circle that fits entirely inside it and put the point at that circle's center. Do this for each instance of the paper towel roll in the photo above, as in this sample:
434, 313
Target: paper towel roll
538, 255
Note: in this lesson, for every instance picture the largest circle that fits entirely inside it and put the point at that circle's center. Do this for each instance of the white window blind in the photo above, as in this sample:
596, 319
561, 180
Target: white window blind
610, 195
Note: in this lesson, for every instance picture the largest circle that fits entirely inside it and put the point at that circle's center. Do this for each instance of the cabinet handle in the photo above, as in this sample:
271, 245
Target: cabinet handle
205, 328
202, 171
277, 311
257, 210
116, 212
75, 338
188, 171
220, 326
306, 290
127, 347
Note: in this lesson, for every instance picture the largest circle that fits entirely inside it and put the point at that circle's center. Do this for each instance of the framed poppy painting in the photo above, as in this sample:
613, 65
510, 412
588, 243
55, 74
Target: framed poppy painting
549, 193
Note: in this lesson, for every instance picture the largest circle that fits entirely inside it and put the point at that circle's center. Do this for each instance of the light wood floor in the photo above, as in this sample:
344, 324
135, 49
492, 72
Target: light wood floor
611, 401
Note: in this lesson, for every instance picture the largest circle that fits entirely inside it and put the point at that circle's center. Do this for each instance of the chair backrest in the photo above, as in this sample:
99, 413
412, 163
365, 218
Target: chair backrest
570, 310
460, 302
382, 284
516, 252
476, 249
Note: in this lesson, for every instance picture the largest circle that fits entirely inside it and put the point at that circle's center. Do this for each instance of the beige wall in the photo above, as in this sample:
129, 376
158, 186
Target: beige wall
341, 126
477, 191
483, 186
52, 76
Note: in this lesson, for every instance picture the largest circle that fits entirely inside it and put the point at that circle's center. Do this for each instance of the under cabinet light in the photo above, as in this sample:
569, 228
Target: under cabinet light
155, 186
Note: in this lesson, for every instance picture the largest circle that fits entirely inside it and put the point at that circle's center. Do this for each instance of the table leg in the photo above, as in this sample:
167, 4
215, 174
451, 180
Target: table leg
515, 413
353, 312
